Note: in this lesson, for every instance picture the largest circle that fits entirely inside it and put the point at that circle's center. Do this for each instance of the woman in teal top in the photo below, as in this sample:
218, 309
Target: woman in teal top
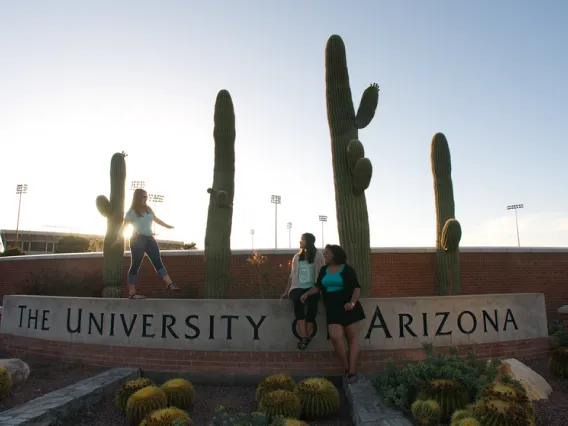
340, 288
142, 242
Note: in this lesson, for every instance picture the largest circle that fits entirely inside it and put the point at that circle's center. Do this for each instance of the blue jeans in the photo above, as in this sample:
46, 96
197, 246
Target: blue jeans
140, 245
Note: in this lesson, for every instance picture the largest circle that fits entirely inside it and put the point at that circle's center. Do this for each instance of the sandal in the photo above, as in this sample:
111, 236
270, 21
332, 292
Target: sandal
135, 295
350, 377
171, 287
303, 343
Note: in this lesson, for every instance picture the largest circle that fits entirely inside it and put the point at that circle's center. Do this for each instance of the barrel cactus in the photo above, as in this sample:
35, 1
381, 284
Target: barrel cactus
5, 383
500, 412
167, 417
426, 412
113, 210
274, 382
448, 229
144, 402
449, 394
180, 393
221, 194
466, 421
351, 169
460, 415
319, 398
280, 403
128, 388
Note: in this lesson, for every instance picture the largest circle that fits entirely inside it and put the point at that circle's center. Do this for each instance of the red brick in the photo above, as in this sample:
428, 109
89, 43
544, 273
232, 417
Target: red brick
395, 274
249, 362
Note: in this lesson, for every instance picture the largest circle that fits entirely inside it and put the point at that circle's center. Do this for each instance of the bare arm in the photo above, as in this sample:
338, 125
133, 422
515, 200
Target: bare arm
120, 234
162, 223
356, 294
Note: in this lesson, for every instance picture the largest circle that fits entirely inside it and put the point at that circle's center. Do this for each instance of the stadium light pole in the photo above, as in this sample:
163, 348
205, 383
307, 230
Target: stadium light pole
516, 207
289, 226
322, 219
137, 184
155, 199
21, 188
275, 199
252, 238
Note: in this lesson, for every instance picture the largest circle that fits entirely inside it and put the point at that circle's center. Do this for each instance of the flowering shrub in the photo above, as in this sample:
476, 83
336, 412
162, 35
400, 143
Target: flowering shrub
271, 280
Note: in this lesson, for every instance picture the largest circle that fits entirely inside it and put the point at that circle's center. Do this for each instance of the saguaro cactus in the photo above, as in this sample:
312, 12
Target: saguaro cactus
352, 171
221, 194
448, 229
113, 210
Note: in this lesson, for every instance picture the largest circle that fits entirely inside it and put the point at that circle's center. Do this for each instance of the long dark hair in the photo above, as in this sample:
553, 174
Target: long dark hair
310, 248
138, 205
339, 255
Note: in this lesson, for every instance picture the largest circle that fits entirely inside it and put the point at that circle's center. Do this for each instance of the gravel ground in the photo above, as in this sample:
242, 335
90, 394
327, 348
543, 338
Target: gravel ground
45, 376
554, 410
207, 399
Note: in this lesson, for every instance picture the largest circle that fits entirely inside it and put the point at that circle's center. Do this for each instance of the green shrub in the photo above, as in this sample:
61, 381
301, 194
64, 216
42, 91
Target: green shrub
12, 251
53, 282
222, 417
399, 388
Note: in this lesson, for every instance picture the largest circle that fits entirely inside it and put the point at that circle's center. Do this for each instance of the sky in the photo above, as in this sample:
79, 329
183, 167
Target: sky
80, 81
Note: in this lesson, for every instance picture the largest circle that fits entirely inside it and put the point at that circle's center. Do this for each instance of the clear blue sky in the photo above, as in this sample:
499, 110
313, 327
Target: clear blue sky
82, 80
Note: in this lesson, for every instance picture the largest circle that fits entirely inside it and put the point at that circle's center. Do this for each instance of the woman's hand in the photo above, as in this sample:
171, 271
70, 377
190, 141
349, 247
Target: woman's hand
116, 243
284, 295
169, 227
349, 306
303, 297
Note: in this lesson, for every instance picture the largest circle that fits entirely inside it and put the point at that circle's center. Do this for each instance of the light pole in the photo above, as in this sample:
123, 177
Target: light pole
275, 199
21, 188
516, 207
322, 219
289, 226
252, 238
137, 184
155, 199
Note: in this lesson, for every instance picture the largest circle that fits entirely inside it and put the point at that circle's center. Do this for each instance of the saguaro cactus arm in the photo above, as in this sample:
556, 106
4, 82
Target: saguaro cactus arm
368, 106
103, 206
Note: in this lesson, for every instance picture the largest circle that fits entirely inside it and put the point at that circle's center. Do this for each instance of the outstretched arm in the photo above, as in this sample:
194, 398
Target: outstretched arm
162, 223
120, 234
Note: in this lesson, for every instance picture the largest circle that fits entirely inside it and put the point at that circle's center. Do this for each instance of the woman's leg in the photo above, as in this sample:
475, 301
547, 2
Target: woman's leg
312, 303
299, 313
153, 252
136, 258
352, 334
337, 337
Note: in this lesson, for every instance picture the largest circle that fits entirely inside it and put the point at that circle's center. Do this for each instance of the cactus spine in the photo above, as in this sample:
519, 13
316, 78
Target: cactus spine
113, 210
448, 229
220, 214
352, 171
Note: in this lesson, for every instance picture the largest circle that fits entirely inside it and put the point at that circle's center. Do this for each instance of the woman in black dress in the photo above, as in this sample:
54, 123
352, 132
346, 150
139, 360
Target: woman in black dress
340, 288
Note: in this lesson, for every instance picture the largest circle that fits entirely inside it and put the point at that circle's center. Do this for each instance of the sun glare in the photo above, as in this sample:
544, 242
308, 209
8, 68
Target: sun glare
127, 233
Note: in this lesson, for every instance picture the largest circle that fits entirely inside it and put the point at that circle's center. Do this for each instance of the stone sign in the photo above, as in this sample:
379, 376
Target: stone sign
268, 325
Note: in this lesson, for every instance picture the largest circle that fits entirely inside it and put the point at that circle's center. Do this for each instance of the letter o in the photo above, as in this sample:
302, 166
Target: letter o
295, 331
474, 319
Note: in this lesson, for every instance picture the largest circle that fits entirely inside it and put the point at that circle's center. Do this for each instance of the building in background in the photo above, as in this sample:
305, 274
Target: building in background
45, 242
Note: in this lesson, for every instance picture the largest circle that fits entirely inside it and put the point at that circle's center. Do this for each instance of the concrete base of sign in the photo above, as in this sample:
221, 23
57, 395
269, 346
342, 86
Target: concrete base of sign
269, 325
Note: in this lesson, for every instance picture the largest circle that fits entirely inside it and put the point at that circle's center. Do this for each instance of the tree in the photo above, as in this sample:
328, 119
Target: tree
73, 244
189, 246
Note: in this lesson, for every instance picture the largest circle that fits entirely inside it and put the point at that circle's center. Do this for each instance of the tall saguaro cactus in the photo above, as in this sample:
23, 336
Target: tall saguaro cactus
448, 229
351, 170
113, 210
221, 194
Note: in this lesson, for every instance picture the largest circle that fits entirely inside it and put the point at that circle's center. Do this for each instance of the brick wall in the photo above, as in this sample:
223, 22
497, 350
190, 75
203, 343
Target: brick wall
397, 272
293, 362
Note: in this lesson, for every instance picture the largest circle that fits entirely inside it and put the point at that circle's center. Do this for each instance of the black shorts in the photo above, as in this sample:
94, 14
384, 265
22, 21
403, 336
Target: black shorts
335, 309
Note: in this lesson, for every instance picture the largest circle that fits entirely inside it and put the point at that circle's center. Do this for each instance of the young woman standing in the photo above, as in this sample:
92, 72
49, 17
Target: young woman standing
340, 287
305, 267
142, 241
